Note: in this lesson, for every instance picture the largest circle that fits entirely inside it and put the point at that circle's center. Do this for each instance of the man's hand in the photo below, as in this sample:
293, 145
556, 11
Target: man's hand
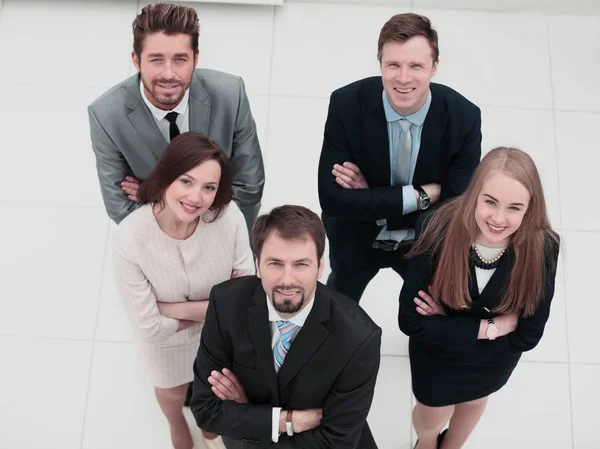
302, 420
427, 306
130, 186
433, 191
349, 176
227, 387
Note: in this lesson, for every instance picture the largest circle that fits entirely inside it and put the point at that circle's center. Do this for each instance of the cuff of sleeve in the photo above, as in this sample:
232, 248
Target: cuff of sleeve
408, 198
275, 424
170, 326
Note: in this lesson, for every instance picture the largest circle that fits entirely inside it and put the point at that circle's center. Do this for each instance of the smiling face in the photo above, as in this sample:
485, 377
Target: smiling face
289, 270
193, 193
166, 65
406, 71
501, 207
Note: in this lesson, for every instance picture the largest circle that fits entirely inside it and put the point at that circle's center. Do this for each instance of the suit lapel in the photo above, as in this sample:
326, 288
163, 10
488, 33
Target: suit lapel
490, 296
377, 149
308, 340
493, 291
142, 120
260, 334
431, 137
199, 107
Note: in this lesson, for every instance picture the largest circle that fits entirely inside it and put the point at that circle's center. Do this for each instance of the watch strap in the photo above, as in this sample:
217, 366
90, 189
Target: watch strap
288, 423
421, 191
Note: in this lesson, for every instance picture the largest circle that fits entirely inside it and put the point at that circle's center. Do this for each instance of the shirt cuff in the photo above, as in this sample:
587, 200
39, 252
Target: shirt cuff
275, 429
169, 326
409, 201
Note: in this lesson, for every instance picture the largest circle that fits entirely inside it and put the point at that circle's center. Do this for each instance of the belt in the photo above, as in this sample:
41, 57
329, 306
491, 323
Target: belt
391, 245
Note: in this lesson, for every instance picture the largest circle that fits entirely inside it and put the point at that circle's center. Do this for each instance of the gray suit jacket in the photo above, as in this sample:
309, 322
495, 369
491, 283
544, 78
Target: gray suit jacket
127, 141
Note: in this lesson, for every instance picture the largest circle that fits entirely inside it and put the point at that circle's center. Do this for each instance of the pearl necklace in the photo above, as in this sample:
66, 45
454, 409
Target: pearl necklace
481, 262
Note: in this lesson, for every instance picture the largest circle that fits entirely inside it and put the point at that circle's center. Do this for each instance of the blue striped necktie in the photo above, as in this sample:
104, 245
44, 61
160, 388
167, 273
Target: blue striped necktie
287, 330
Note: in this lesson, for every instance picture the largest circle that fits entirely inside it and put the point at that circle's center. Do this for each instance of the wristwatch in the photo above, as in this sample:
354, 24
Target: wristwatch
424, 200
288, 424
492, 330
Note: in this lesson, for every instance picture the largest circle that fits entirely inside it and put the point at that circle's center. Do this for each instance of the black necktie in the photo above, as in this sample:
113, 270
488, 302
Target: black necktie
173, 129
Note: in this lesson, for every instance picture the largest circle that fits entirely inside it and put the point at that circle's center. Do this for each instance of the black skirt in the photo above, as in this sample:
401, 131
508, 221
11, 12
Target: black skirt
442, 376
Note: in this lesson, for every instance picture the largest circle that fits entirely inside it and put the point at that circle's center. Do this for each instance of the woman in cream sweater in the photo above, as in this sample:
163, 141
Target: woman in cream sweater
185, 238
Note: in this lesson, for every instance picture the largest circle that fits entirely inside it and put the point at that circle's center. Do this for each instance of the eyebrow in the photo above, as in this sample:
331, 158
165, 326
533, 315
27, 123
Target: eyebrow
274, 259
494, 199
160, 55
394, 61
194, 179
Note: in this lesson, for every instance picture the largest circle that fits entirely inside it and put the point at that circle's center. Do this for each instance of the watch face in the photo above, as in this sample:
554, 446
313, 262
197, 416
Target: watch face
492, 332
424, 203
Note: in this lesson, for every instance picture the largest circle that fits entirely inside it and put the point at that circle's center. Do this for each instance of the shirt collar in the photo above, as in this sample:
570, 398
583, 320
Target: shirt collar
416, 118
159, 113
297, 319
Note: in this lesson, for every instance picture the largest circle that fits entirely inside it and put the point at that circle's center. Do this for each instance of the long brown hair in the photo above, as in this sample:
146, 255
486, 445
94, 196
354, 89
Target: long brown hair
184, 153
452, 230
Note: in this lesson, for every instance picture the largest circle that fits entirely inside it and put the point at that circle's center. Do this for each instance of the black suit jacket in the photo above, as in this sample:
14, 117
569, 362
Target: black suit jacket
332, 364
356, 131
455, 336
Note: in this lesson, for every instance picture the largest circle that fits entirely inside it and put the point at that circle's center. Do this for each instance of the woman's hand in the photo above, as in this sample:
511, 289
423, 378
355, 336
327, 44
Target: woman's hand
237, 274
427, 306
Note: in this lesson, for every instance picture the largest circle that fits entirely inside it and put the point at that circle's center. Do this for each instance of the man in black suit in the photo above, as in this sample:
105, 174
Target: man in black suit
284, 361
394, 146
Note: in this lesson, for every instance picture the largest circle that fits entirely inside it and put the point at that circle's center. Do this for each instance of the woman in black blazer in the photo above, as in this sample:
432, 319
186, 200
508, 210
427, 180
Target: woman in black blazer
477, 295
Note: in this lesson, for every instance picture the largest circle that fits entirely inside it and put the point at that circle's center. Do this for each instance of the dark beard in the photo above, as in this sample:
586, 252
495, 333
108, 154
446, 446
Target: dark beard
287, 306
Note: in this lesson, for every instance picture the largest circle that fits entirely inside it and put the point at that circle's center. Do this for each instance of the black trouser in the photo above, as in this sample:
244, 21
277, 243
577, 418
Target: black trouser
352, 277
366, 441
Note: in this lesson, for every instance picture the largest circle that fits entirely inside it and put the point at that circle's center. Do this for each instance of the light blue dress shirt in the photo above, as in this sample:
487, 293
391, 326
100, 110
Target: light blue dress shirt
394, 133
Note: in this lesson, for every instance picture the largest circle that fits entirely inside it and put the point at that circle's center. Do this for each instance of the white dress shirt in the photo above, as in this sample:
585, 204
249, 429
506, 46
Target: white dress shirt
298, 320
183, 120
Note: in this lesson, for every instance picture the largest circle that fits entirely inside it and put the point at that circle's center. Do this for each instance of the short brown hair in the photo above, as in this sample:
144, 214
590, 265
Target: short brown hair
184, 153
290, 222
403, 27
165, 18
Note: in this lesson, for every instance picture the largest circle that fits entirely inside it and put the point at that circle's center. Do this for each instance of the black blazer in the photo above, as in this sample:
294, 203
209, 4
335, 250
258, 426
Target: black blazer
332, 364
457, 333
356, 131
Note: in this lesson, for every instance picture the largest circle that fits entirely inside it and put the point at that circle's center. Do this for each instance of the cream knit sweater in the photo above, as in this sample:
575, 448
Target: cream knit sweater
150, 266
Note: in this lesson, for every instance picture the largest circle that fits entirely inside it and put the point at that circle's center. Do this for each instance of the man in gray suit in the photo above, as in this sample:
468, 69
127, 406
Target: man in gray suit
133, 122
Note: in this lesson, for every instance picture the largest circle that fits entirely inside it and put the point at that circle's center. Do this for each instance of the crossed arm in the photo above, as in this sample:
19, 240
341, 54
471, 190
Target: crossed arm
424, 318
227, 411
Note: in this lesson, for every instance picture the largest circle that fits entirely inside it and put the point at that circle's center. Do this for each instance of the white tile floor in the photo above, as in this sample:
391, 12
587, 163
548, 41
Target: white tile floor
69, 376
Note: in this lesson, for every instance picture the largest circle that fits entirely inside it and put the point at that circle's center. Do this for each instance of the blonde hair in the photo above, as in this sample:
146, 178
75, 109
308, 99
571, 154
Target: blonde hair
452, 229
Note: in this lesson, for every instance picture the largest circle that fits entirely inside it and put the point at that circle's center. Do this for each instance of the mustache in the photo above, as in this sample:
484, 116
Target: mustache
171, 82
288, 287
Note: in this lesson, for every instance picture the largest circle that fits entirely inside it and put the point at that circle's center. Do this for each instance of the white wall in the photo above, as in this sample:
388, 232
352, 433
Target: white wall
69, 376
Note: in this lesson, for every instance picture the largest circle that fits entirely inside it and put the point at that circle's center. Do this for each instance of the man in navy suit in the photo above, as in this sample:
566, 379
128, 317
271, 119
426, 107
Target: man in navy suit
394, 146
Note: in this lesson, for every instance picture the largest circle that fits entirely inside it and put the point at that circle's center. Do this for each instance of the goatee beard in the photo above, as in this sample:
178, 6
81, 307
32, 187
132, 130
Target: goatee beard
288, 306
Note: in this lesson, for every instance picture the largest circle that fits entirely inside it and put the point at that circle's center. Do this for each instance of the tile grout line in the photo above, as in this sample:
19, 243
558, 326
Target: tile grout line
564, 281
317, 97
392, 356
101, 291
264, 145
